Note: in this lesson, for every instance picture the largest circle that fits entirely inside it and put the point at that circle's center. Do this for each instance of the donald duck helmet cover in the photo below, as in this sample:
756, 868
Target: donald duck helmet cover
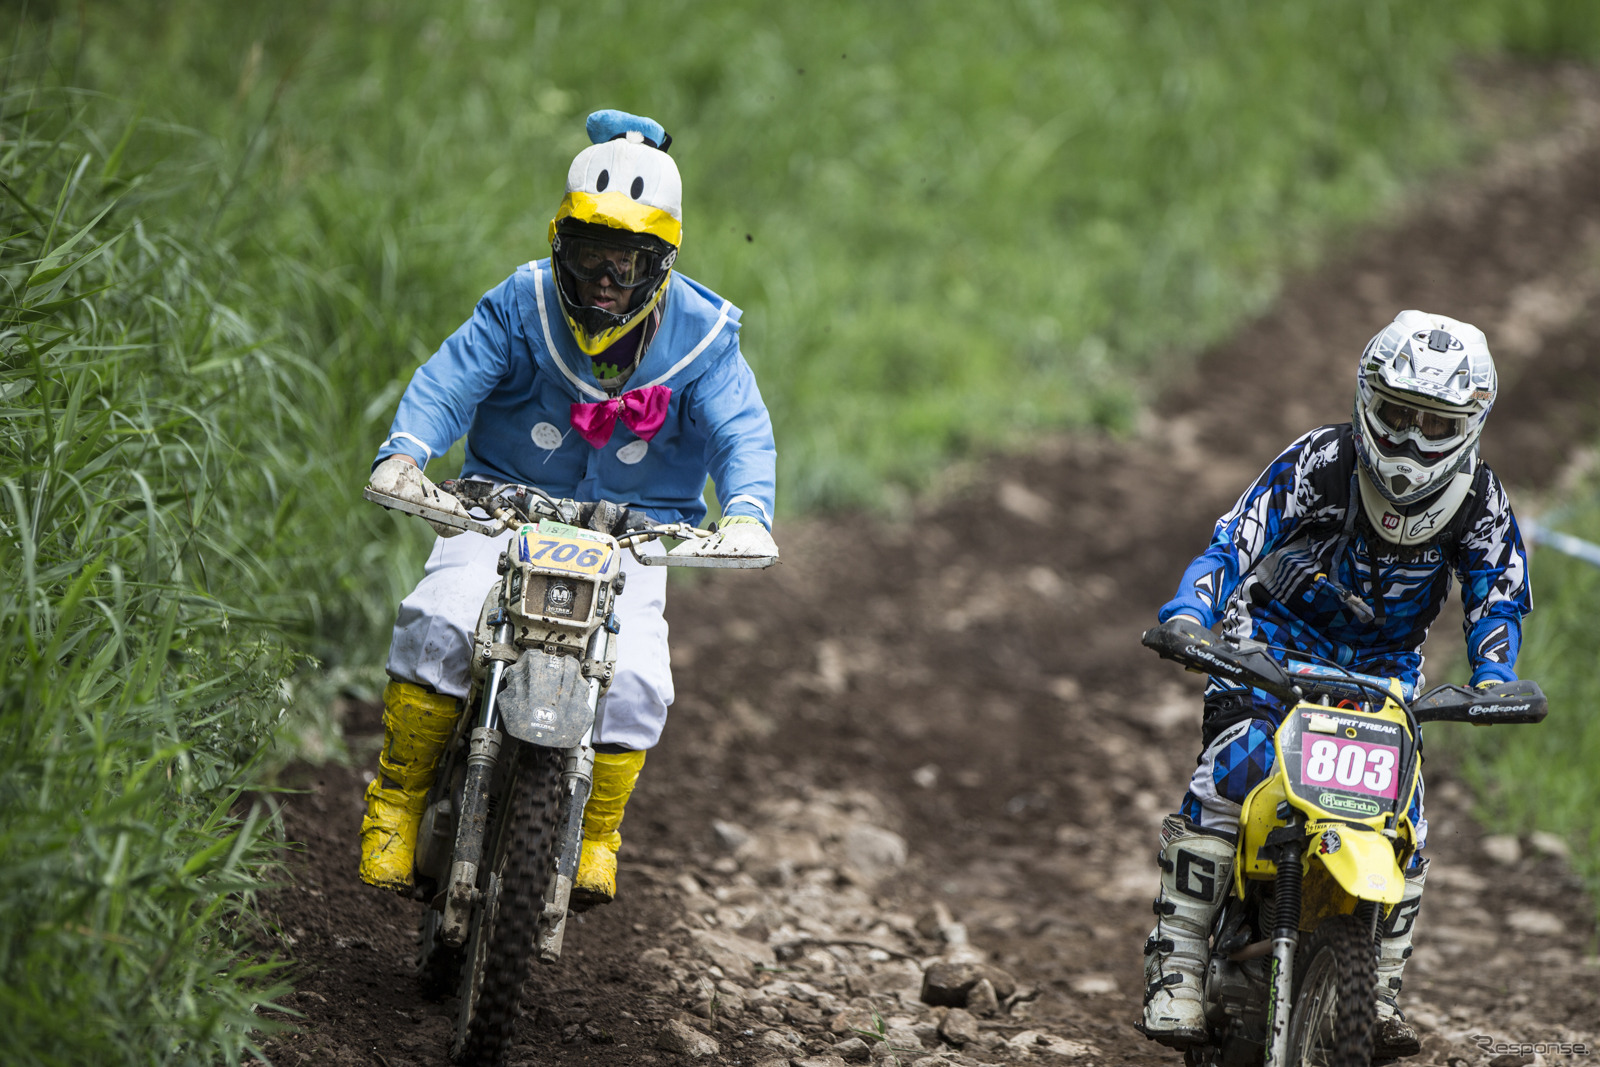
622, 215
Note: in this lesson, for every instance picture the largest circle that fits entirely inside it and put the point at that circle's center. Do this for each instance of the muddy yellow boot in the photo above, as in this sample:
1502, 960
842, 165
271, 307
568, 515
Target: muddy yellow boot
614, 776
416, 727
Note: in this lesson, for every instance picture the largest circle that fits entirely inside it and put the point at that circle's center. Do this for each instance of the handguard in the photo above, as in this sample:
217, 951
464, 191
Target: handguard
699, 553
705, 548
445, 518
1197, 648
1521, 701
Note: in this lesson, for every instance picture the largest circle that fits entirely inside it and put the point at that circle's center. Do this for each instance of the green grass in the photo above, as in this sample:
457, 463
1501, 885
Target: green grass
140, 646
1544, 777
951, 227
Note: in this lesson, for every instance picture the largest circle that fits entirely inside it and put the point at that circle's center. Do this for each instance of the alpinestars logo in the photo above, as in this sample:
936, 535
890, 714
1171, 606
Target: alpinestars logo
1496, 645
1391, 521
1427, 522
1205, 587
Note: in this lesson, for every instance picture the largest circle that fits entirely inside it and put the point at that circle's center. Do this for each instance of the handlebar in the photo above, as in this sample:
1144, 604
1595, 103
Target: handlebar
510, 505
1251, 663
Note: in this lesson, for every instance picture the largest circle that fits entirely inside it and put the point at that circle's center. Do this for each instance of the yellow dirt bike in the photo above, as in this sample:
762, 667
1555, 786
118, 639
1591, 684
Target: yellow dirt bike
498, 847
1322, 849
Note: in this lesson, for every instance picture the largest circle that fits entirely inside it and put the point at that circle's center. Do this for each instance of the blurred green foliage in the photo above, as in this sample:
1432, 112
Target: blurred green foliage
950, 226
1543, 777
141, 483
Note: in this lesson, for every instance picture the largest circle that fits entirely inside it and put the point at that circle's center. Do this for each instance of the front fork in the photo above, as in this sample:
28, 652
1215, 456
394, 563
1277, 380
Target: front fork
461, 892
1285, 936
577, 780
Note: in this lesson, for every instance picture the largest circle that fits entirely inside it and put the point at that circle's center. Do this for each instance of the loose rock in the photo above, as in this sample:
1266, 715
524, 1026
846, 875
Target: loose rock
1536, 923
873, 851
682, 1038
982, 999
853, 1050
1543, 841
949, 984
853, 1020
734, 954
1032, 1041
1504, 849
959, 1027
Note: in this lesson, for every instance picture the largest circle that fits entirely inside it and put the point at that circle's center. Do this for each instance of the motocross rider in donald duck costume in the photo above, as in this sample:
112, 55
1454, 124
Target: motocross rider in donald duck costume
599, 373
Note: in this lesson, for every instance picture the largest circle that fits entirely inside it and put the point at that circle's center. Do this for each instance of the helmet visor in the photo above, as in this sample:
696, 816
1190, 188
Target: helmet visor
589, 260
1399, 421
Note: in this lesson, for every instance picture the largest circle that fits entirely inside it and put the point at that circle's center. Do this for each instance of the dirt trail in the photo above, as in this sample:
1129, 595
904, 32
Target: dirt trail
951, 718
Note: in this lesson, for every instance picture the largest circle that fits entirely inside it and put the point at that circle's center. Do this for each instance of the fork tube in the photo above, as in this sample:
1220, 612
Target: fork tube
473, 822
577, 780
1285, 935
497, 675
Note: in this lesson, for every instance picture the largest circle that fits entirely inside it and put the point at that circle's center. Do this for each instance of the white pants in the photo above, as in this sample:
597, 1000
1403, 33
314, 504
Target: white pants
432, 643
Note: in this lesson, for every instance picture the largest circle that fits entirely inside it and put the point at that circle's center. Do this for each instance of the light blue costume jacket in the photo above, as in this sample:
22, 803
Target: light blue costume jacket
508, 377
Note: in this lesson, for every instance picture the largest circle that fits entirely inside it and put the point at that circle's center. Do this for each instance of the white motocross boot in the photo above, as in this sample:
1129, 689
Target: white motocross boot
1393, 1037
1196, 873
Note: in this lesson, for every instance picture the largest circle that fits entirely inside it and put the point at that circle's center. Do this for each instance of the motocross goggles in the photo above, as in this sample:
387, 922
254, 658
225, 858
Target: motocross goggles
589, 260
1399, 421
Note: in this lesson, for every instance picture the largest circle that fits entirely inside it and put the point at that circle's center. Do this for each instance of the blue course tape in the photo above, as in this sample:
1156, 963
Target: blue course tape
1575, 547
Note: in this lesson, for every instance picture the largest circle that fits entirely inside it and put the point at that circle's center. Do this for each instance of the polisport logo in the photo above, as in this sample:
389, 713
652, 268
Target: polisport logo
1391, 521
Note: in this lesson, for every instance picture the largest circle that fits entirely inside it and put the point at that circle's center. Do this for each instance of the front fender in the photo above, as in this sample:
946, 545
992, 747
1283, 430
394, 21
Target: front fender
1362, 861
545, 700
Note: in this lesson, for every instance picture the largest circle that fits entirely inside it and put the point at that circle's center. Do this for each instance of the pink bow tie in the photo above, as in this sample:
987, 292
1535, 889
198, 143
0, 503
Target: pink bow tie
641, 410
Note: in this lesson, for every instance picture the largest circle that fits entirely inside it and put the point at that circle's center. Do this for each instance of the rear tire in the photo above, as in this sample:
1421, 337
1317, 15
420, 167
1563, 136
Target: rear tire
1335, 1000
499, 948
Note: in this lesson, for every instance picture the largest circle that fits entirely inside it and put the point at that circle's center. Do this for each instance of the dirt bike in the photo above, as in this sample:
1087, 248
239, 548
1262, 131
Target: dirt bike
1322, 849
499, 842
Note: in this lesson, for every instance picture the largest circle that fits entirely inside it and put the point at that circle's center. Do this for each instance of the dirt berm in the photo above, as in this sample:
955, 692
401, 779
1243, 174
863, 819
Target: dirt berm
938, 740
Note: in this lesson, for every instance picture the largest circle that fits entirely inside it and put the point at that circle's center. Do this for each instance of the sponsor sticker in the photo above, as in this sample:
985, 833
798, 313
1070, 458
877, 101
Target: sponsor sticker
1330, 843
1354, 805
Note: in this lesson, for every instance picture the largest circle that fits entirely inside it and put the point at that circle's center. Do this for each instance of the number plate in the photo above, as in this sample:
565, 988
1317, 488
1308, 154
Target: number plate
570, 555
1350, 766
1345, 762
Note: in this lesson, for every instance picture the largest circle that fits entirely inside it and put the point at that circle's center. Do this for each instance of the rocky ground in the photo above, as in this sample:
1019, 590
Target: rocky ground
906, 807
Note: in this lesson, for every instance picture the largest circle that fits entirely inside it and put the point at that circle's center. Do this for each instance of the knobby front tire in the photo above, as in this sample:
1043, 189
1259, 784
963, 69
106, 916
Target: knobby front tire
1335, 1001
500, 941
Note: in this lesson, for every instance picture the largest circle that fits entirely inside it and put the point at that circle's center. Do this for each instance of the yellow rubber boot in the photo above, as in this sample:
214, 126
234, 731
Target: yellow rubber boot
614, 776
416, 727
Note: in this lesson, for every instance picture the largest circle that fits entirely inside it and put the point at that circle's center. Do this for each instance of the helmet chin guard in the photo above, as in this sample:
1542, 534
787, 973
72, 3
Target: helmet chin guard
1415, 524
1424, 387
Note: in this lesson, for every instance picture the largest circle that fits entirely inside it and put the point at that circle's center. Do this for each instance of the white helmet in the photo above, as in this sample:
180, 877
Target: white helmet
623, 216
1423, 390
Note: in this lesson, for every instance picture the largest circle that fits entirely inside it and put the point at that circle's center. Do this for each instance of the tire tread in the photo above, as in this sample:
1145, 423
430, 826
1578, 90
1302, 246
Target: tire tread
526, 844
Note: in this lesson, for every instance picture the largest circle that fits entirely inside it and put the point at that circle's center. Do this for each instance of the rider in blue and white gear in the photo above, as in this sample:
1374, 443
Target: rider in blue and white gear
1344, 548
